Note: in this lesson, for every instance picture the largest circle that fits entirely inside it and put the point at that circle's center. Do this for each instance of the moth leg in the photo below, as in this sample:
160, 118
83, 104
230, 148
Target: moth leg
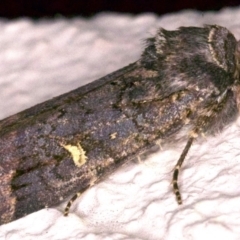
70, 202
177, 168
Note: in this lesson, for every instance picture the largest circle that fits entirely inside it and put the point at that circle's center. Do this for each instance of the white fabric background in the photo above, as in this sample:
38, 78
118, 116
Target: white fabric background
45, 58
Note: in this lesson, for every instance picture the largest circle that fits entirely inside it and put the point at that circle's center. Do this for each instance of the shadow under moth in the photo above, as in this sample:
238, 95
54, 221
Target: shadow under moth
185, 85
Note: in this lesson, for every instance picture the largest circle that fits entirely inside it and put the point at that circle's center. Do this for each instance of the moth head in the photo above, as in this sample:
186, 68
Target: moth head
223, 45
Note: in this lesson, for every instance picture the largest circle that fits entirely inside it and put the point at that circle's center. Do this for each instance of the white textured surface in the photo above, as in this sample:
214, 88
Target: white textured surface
39, 60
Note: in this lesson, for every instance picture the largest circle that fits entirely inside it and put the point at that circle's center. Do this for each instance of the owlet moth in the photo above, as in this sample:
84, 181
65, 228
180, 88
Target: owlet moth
184, 85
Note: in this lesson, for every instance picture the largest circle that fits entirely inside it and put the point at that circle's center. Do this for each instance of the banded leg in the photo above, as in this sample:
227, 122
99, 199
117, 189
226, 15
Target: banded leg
70, 202
177, 168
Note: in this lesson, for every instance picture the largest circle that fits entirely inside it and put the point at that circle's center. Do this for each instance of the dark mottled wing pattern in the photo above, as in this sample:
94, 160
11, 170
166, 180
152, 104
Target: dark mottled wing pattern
182, 84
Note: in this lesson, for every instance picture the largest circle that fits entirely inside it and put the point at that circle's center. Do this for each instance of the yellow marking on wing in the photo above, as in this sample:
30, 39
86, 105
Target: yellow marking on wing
78, 154
113, 135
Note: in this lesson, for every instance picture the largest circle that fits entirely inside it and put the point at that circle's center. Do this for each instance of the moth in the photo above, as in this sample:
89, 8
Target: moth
185, 85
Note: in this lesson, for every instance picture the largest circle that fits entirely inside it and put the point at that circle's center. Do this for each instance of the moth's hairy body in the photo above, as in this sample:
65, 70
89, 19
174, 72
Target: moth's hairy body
184, 85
